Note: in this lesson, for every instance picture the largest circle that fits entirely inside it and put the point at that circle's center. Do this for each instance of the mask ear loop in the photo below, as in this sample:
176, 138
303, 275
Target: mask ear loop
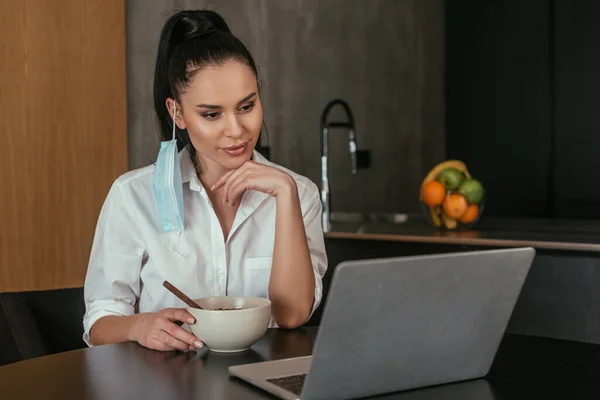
174, 116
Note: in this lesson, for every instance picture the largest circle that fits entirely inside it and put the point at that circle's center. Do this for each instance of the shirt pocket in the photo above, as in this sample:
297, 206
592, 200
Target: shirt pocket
257, 273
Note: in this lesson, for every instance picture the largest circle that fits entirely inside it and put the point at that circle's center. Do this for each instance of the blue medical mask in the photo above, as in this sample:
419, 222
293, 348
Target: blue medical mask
168, 188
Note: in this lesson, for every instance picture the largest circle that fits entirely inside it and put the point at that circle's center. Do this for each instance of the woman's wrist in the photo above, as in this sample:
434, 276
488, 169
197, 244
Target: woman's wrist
113, 329
132, 326
288, 190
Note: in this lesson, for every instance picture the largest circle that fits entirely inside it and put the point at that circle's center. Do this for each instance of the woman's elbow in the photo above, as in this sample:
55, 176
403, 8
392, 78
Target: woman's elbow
293, 320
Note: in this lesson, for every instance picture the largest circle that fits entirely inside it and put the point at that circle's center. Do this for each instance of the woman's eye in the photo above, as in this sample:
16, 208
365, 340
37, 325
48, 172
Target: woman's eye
211, 116
247, 108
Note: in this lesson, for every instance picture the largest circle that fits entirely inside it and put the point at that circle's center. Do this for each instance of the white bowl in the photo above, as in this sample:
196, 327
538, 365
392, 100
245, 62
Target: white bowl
229, 331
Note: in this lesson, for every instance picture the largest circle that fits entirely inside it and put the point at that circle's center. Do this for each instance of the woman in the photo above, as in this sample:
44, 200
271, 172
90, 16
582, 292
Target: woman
242, 225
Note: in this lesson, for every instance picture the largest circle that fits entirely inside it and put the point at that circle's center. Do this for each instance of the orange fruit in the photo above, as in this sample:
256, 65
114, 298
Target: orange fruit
455, 205
433, 193
470, 215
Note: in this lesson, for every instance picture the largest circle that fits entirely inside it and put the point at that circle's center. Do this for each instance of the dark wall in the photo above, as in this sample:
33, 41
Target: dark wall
521, 88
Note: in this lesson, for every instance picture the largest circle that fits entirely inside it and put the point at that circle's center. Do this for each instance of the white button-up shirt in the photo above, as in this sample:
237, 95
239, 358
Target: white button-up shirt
131, 255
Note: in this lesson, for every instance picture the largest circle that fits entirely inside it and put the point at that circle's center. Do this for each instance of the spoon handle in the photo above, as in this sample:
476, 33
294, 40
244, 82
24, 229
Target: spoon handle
181, 295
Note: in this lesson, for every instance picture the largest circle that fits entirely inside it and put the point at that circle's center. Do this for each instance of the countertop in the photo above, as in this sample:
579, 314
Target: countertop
552, 234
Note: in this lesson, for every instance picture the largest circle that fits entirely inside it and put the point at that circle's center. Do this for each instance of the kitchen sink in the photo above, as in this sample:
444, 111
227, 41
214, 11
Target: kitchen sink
382, 223
352, 217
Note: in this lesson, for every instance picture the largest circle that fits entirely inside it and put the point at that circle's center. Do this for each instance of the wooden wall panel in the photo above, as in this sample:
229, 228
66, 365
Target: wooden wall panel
63, 130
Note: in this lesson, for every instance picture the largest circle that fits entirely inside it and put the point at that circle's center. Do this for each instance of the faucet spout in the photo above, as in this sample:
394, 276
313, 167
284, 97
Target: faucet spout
325, 127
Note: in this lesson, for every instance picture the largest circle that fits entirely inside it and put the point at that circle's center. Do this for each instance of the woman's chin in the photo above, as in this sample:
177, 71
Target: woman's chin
235, 162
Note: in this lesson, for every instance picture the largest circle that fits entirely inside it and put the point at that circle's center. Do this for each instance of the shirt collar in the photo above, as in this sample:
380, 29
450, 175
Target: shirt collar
188, 171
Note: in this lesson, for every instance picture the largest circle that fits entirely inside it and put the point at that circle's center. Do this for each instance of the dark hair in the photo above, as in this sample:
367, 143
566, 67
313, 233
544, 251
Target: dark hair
191, 40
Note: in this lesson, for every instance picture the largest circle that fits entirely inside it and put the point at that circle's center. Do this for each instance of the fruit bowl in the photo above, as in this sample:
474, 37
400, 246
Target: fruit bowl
451, 198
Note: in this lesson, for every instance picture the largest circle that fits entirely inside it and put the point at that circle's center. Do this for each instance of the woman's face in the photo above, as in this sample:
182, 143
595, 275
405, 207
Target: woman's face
222, 113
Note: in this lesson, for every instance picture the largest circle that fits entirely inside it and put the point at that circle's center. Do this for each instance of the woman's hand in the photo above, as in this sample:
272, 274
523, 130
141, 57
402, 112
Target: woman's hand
160, 331
254, 176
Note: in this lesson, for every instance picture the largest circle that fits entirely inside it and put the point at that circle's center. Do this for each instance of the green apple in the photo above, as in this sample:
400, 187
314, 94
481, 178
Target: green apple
451, 178
472, 189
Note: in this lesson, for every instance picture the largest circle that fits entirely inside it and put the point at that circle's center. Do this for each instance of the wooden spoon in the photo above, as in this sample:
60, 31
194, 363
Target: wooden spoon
181, 295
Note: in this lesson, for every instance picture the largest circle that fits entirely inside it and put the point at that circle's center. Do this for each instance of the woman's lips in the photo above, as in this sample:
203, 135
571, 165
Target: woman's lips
236, 150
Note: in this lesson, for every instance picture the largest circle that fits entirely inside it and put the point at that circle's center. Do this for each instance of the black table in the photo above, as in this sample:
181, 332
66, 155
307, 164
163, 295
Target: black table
524, 368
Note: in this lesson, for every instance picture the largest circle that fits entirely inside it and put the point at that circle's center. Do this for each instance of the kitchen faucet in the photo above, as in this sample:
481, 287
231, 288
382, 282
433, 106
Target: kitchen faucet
358, 158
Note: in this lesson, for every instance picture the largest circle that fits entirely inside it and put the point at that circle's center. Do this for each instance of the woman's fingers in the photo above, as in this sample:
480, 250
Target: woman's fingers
233, 178
178, 314
236, 186
237, 189
235, 182
223, 179
228, 176
182, 335
169, 341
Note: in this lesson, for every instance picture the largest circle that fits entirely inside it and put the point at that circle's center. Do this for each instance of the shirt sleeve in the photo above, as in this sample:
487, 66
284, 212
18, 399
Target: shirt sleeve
112, 283
316, 242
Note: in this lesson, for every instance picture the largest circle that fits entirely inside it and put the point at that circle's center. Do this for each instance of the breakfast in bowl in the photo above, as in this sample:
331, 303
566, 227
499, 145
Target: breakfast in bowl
227, 324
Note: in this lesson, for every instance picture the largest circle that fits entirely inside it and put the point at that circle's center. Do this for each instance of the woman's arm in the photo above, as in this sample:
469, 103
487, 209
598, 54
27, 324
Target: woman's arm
292, 284
111, 329
112, 285
299, 259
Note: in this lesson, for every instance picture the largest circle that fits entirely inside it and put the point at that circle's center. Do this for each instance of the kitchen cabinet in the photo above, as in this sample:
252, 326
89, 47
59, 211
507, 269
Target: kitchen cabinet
522, 99
499, 101
577, 105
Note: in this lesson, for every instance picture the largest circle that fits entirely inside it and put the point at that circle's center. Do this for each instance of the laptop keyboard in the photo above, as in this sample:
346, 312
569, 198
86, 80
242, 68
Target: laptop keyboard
292, 383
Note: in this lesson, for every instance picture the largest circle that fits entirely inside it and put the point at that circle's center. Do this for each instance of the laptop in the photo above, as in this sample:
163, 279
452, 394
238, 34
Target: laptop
396, 324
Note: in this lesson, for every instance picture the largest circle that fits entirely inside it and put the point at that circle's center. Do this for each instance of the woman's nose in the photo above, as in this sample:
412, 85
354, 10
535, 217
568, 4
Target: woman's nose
234, 127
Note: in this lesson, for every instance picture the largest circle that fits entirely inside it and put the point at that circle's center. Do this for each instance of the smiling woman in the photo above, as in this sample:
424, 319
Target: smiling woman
243, 225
